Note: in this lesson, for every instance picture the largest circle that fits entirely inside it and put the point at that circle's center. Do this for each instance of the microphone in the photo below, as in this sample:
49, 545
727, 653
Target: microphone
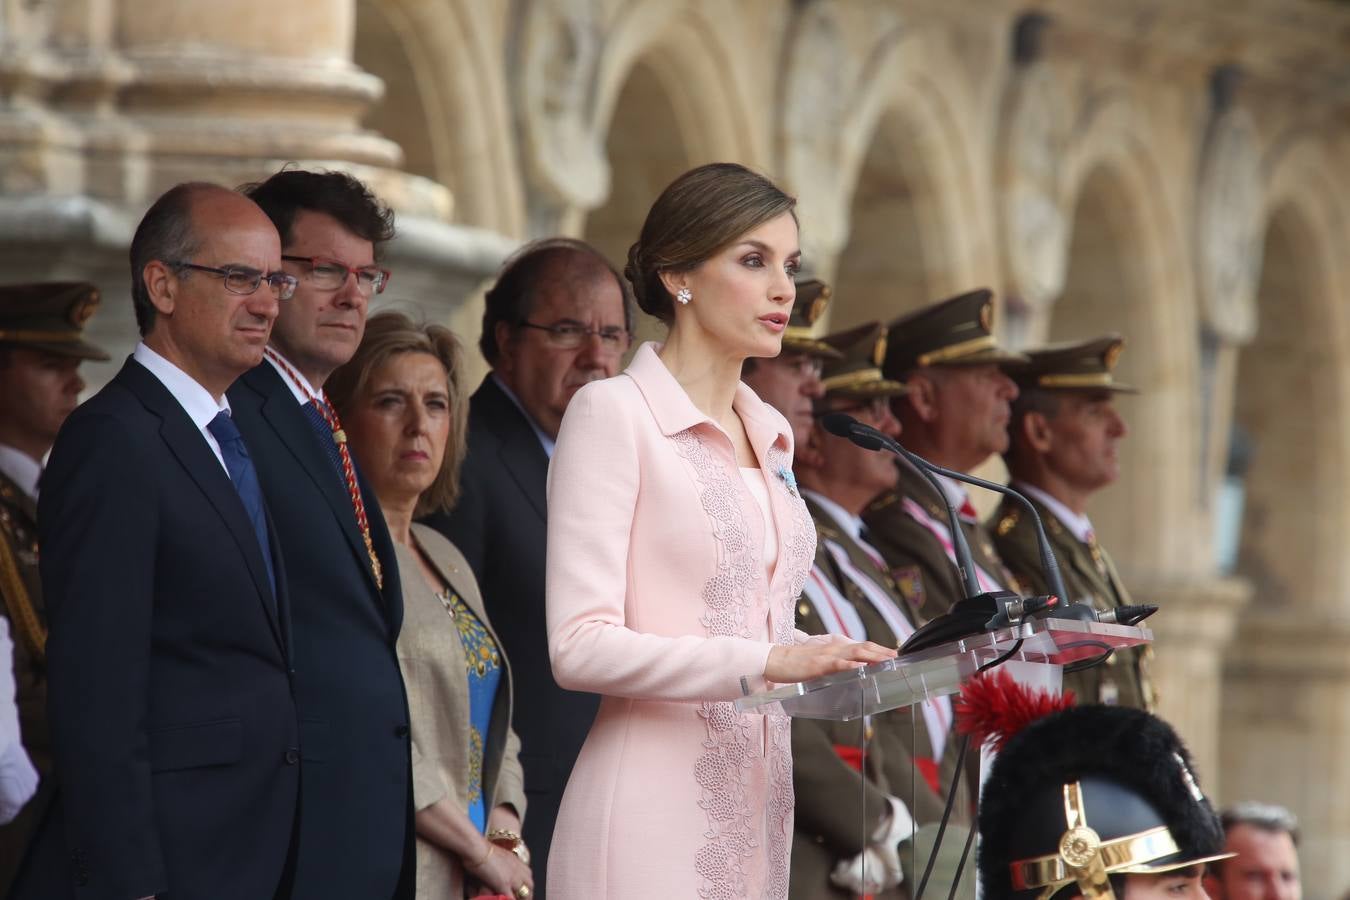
845, 426
978, 611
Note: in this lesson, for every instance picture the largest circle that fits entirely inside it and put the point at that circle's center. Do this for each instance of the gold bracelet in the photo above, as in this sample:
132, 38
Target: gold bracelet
478, 865
510, 840
504, 836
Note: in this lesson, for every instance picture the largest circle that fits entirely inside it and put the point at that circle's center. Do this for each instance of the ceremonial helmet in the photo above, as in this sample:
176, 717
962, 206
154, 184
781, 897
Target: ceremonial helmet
1087, 794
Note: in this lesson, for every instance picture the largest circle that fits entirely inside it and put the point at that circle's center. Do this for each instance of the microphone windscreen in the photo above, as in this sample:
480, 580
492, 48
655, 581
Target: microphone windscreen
839, 424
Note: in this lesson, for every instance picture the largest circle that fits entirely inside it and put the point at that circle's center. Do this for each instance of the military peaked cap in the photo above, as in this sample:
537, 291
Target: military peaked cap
1084, 365
813, 295
954, 332
857, 373
49, 316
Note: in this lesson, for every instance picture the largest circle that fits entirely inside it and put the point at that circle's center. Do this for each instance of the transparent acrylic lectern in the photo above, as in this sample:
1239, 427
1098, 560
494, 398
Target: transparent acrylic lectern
1035, 652
939, 671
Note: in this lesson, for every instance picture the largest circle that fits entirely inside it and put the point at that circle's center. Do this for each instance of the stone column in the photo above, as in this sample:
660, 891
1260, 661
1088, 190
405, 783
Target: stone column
1192, 630
1286, 726
114, 101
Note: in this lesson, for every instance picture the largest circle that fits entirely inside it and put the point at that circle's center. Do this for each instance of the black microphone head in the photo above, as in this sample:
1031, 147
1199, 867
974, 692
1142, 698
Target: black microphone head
839, 424
849, 428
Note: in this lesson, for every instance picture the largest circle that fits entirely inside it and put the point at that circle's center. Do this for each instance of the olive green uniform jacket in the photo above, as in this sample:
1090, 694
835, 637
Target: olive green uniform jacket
919, 565
21, 593
1089, 575
835, 809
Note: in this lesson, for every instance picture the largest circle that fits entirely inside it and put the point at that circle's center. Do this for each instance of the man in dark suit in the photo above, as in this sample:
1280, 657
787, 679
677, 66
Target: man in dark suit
41, 349
558, 317
355, 836
174, 730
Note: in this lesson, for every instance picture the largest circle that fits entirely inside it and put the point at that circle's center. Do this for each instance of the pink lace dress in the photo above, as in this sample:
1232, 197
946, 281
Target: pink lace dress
659, 599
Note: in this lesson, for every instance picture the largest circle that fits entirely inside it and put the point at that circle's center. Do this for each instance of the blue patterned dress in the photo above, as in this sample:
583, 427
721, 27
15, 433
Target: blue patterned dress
483, 664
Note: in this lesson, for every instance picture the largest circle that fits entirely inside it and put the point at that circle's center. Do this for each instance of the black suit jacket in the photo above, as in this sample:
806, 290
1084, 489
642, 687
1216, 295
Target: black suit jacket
499, 526
355, 834
174, 731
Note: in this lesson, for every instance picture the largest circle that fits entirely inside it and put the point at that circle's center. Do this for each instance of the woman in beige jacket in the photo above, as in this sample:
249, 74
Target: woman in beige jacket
401, 401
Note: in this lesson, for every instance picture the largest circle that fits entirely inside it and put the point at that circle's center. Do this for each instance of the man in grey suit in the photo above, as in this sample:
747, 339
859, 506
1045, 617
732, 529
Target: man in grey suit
558, 317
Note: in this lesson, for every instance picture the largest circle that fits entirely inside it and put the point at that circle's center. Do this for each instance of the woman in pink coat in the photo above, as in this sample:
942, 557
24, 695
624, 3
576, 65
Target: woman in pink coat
677, 547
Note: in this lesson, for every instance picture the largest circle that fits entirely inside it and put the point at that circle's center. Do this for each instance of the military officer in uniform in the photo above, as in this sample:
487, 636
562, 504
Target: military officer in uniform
911, 755
790, 381
41, 349
954, 414
1062, 442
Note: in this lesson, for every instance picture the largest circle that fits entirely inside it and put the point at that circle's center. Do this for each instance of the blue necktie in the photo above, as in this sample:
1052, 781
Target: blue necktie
245, 480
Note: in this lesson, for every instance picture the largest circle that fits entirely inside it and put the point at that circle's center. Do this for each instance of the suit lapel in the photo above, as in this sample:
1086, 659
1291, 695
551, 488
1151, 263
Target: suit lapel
282, 413
521, 451
186, 443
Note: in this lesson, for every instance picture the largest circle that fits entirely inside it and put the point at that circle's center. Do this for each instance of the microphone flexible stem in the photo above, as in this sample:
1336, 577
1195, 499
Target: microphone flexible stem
965, 561
1048, 561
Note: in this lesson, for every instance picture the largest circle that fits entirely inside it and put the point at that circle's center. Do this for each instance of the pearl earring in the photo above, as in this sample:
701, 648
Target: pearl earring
684, 295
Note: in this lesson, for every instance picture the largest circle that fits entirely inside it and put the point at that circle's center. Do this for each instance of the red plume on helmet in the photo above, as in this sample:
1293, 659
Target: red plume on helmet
994, 706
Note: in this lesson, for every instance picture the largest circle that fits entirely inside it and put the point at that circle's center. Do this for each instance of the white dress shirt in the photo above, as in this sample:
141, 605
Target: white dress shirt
196, 400
21, 469
18, 778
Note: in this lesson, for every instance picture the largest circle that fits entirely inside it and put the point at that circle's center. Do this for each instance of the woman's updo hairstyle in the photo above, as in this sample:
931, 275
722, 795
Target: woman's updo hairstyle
701, 212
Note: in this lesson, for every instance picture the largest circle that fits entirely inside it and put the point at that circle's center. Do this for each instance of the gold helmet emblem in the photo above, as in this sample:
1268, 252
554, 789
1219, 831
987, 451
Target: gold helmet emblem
82, 309
879, 351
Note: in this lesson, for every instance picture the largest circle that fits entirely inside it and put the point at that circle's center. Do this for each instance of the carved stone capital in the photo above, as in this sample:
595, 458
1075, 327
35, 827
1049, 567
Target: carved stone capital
558, 54
818, 72
1033, 213
1229, 219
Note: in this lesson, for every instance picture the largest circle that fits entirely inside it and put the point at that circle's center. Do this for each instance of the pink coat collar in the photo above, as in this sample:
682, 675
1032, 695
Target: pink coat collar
675, 412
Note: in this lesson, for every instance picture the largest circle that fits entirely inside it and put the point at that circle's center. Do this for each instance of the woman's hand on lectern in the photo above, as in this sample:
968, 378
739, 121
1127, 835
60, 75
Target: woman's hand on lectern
802, 662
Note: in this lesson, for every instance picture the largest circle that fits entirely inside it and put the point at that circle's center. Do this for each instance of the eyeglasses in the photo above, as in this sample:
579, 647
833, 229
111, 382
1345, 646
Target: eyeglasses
328, 274
571, 335
245, 280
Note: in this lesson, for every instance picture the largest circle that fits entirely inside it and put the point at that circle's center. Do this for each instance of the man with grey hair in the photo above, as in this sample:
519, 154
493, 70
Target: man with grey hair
1265, 838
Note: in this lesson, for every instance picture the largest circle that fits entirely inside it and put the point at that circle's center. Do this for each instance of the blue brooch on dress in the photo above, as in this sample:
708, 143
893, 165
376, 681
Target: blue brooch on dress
789, 480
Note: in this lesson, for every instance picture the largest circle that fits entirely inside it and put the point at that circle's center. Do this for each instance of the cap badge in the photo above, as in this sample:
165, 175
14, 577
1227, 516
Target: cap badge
82, 309
879, 351
987, 316
1112, 354
817, 307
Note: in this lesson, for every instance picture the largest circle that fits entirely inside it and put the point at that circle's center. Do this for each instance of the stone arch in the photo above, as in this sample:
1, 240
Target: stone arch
1126, 272
907, 180
1287, 675
445, 102
1295, 514
667, 103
